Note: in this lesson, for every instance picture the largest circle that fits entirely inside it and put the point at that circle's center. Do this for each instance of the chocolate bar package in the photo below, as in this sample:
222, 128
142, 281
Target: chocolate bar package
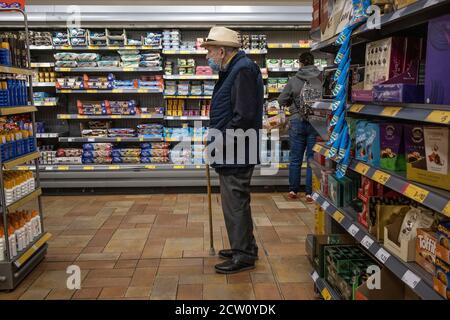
437, 140
392, 148
437, 86
398, 92
415, 146
373, 143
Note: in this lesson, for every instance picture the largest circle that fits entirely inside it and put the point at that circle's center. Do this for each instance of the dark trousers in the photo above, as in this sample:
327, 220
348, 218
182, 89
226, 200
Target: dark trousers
235, 193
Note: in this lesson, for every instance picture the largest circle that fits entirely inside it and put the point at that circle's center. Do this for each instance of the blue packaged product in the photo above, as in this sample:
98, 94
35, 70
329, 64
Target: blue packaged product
373, 143
146, 160
146, 146
337, 131
146, 153
344, 143
360, 140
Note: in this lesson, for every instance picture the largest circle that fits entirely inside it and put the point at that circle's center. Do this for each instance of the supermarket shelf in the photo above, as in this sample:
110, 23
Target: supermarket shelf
433, 198
48, 135
288, 46
187, 138
436, 114
14, 70
19, 203
325, 46
112, 69
41, 47
184, 52
326, 291
8, 165
320, 124
46, 104
256, 51
188, 97
42, 64
6, 111
193, 118
108, 139
43, 84
95, 48
283, 69
26, 254
191, 77
89, 91
275, 90
106, 117
418, 280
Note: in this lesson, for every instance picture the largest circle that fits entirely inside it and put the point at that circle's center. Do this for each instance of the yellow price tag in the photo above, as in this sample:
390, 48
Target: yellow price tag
178, 167
22, 168
141, 139
439, 117
286, 45
381, 177
128, 69
114, 47
150, 167
130, 47
82, 117
362, 168
63, 168
326, 153
146, 116
88, 168
391, 111
169, 51
92, 91
64, 116
116, 117
66, 91
65, 69
94, 47
338, 216
282, 166
356, 108
114, 167
447, 210
326, 294
118, 139
416, 193
317, 148
142, 90
117, 90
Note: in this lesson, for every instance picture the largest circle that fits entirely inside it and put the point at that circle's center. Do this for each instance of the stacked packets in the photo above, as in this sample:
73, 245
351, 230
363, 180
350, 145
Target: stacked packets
339, 136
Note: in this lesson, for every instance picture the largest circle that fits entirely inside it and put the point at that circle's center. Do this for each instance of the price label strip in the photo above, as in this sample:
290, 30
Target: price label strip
353, 230
338, 216
381, 177
390, 111
439, 117
326, 294
416, 193
367, 242
411, 279
447, 210
356, 108
325, 205
382, 255
362, 168
317, 148
114, 167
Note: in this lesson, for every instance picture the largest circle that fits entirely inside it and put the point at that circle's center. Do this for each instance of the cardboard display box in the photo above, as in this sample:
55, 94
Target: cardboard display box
391, 288
385, 215
405, 250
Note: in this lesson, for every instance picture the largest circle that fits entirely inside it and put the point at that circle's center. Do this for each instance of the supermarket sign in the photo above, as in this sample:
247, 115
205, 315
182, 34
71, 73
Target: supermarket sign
16, 4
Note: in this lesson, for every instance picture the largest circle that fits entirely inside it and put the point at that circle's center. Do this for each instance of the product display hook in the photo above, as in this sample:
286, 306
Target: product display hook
212, 252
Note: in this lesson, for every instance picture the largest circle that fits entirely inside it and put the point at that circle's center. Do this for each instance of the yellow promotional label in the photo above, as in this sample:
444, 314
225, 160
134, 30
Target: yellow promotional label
447, 210
286, 45
116, 117
128, 69
93, 47
356, 108
65, 69
317, 148
114, 167
169, 51
439, 117
88, 168
282, 166
82, 117
114, 47
416, 193
130, 47
362, 168
381, 177
142, 90
118, 139
150, 167
338, 216
390, 111
117, 90
141, 139
178, 167
92, 91
21, 168
64, 116
326, 294
63, 168
146, 116
326, 152
66, 91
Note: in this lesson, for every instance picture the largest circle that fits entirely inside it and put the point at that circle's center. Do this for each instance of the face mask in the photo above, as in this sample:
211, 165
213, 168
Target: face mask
213, 65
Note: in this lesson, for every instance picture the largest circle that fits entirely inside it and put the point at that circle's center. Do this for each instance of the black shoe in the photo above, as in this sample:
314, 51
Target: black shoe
230, 266
227, 254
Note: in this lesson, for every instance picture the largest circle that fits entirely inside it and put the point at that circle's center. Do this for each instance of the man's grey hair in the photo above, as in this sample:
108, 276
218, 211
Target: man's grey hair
230, 49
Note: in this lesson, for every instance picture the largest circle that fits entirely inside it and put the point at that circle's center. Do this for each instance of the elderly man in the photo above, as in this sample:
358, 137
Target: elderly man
237, 103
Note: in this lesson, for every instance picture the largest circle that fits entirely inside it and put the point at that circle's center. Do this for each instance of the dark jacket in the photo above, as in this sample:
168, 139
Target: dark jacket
295, 85
237, 103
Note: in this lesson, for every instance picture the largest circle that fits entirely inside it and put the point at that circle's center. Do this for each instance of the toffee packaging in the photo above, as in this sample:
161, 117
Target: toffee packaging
426, 249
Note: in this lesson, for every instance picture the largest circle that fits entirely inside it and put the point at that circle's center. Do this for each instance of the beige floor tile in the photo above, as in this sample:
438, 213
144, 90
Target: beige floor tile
126, 234
174, 247
297, 291
125, 264
98, 256
35, 294
120, 204
111, 273
144, 277
262, 278
138, 292
105, 282
266, 291
165, 288
125, 245
171, 220
228, 292
147, 218
285, 249
104, 264
116, 292
144, 263
60, 294
87, 293
291, 269
54, 279
190, 292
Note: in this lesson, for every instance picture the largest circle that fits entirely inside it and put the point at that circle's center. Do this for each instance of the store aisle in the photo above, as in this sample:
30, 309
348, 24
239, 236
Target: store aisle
156, 247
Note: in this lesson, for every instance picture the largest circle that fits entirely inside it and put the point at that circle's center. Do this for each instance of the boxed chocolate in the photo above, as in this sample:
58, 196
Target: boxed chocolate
414, 147
392, 147
398, 92
437, 68
426, 249
437, 141
373, 143
443, 245
360, 141
441, 279
334, 192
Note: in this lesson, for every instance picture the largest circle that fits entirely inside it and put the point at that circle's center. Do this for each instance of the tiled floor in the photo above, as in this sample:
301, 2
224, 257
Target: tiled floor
157, 247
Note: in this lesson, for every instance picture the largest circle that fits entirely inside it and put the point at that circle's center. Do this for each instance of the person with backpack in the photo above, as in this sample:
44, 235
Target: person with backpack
299, 95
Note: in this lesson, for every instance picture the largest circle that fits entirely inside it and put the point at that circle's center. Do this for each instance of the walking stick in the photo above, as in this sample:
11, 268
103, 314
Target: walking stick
212, 252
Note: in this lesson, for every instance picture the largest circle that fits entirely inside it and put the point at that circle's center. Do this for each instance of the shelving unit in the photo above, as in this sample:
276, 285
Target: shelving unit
110, 69
95, 91
14, 268
109, 117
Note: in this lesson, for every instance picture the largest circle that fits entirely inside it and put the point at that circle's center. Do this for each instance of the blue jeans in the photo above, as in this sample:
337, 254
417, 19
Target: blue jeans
302, 137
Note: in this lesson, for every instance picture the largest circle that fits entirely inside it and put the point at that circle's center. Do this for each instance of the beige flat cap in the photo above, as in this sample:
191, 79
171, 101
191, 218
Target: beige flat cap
221, 36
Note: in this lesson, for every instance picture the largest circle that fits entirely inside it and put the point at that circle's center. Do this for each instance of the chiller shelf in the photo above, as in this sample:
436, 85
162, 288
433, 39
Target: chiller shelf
7, 111
42, 64
103, 48
200, 118
111, 69
288, 46
435, 114
413, 276
283, 69
95, 91
436, 199
188, 97
108, 117
326, 291
22, 201
108, 139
